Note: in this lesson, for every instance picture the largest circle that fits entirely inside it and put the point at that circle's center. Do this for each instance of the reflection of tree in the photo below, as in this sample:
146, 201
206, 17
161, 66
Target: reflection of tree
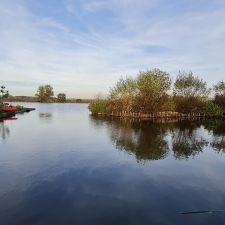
144, 139
47, 117
186, 140
149, 140
218, 138
4, 130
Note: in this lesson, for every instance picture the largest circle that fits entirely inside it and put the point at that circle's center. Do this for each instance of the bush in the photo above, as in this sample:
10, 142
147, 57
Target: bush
189, 104
212, 108
220, 101
98, 106
170, 105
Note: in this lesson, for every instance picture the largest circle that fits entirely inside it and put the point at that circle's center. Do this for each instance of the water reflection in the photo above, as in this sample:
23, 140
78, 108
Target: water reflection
217, 128
187, 140
69, 171
4, 130
45, 117
150, 140
145, 140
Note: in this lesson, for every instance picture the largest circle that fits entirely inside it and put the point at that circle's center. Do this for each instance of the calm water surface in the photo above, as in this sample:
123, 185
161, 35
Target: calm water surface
59, 165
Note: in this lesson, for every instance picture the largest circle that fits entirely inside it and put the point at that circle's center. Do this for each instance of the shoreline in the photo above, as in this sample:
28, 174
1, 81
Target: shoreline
160, 115
12, 101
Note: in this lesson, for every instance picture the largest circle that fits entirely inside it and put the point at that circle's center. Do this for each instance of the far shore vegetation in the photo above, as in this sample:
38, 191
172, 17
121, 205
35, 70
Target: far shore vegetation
44, 94
152, 92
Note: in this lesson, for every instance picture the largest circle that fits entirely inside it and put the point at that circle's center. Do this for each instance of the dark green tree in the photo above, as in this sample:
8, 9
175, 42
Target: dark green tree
61, 97
45, 93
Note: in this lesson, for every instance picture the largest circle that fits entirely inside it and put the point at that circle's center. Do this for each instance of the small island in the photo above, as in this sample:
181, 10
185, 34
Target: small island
7, 110
153, 95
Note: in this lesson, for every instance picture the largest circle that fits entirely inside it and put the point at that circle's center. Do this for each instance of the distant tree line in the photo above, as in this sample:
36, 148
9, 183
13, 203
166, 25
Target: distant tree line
46, 94
153, 91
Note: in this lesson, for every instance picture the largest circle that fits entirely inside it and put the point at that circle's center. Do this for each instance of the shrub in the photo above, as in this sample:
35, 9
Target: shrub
220, 101
189, 104
213, 109
98, 106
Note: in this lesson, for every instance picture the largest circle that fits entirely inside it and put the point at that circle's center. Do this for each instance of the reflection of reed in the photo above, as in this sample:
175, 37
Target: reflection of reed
4, 130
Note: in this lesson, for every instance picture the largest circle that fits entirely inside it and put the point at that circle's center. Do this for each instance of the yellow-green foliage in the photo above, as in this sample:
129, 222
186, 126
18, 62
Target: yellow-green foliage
153, 86
213, 109
122, 95
98, 106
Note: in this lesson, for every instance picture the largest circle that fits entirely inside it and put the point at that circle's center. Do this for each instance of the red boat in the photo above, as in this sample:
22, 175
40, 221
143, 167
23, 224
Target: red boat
8, 109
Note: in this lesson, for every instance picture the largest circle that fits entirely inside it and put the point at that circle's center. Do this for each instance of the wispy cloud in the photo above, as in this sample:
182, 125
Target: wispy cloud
83, 47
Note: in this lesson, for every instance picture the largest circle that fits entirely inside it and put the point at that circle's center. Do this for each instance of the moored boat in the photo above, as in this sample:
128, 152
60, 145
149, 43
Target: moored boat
6, 114
8, 109
24, 110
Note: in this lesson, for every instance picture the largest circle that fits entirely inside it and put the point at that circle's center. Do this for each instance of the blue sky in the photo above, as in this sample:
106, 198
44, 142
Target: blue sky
82, 47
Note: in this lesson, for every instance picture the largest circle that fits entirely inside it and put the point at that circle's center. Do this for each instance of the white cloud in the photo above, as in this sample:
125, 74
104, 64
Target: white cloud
44, 49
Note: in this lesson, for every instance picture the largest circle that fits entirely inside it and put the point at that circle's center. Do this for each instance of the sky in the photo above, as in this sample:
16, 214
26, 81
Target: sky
82, 47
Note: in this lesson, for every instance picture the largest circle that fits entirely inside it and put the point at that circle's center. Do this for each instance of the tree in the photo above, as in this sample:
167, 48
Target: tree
219, 89
122, 95
187, 85
61, 97
4, 93
153, 86
45, 93
190, 92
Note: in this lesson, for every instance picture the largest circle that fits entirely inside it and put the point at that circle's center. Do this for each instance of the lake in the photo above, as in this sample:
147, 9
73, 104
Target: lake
60, 165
